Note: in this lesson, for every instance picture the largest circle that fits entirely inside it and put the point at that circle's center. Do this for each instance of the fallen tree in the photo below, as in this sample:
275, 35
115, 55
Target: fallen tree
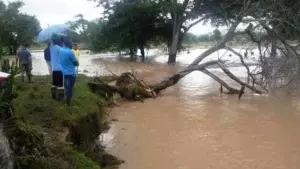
269, 63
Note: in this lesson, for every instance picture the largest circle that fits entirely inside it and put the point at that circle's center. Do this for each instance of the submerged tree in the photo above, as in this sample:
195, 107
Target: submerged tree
278, 63
177, 17
132, 26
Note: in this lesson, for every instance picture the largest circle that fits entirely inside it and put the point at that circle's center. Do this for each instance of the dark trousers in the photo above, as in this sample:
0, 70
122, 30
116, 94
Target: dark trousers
25, 68
57, 78
69, 81
57, 89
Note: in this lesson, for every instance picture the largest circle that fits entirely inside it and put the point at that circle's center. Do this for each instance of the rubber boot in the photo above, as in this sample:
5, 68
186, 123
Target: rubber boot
60, 94
54, 92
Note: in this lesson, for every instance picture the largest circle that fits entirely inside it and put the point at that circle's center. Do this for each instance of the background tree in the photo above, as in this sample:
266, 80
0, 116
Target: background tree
181, 16
190, 39
132, 26
278, 60
217, 35
16, 28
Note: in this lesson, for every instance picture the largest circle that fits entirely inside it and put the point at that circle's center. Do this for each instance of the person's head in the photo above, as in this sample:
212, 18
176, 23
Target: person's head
25, 46
68, 43
56, 39
62, 41
74, 46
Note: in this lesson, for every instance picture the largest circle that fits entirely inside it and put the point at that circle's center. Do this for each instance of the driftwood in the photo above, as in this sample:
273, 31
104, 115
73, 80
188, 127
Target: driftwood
241, 92
127, 85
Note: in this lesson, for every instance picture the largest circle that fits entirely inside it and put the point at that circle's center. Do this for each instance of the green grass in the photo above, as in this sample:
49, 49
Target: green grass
35, 103
41, 124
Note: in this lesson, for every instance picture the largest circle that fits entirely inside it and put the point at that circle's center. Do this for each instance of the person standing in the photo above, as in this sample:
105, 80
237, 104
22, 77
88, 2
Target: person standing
57, 89
25, 62
77, 54
68, 64
47, 57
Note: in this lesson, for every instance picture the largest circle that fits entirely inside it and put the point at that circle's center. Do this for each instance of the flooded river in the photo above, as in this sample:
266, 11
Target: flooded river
193, 126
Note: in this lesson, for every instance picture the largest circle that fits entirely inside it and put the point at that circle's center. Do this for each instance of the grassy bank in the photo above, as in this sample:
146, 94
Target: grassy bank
47, 134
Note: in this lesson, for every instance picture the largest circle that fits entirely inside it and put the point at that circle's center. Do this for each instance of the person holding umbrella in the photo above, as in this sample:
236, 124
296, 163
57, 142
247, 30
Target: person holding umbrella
51, 32
68, 62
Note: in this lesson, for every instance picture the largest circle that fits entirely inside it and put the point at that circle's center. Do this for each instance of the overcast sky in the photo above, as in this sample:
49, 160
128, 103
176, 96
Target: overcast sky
51, 12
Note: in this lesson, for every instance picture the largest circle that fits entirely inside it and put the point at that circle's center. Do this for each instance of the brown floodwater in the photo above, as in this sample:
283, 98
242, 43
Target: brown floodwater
192, 126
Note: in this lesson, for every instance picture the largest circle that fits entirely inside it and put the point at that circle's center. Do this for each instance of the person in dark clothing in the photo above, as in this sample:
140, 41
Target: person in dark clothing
25, 62
47, 57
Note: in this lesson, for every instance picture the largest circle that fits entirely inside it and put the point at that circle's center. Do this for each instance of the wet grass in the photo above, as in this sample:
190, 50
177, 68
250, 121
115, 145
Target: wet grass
35, 104
40, 126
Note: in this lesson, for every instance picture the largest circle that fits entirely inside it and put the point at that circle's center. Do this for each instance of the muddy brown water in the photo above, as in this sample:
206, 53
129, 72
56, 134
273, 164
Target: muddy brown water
192, 126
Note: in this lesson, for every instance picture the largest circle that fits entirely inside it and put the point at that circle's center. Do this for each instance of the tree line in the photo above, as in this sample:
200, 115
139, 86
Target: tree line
16, 28
137, 24
268, 26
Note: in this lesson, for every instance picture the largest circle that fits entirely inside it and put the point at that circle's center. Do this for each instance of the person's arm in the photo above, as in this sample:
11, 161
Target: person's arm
74, 60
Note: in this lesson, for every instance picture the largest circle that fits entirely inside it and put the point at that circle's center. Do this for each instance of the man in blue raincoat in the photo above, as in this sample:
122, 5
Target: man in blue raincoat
68, 62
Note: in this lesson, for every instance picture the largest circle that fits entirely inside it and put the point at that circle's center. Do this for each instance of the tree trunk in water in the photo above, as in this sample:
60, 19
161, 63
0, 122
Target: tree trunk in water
15, 48
142, 52
175, 38
173, 48
172, 57
132, 54
180, 39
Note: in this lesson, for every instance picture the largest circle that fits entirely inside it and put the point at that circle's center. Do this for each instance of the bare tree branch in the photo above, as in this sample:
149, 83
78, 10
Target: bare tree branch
176, 77
258, 42
196, 22
229, 36
257, 20
216, 78
229, 74
242, 61
272, 32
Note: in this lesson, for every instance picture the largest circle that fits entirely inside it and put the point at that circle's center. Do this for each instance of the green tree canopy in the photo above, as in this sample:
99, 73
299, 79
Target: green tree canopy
16, 28
135, 25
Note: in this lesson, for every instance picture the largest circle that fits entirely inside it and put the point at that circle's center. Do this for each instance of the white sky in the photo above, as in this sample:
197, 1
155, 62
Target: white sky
59, 11
51, 12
